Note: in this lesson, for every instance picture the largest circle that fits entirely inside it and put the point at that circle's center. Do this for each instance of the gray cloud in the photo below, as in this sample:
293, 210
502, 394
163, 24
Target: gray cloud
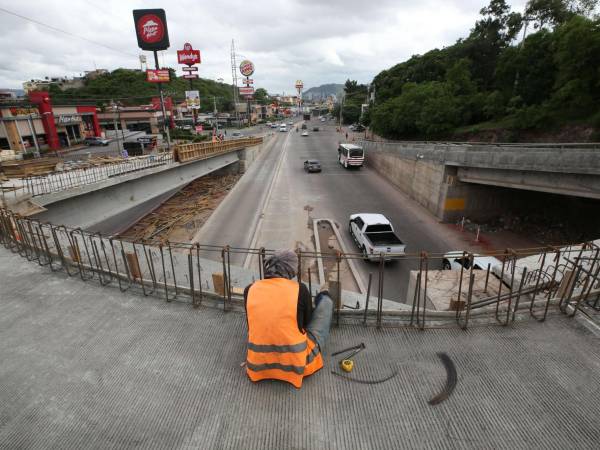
313, 40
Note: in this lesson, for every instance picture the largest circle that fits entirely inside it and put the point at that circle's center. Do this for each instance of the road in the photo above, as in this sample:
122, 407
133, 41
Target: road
281, 210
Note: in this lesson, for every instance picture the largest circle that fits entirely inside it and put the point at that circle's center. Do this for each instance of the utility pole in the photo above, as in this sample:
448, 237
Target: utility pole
162, 104
216, 114
114, 108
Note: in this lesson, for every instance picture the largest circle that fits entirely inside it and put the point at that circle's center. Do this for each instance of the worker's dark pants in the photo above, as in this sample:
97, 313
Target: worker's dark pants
319, 324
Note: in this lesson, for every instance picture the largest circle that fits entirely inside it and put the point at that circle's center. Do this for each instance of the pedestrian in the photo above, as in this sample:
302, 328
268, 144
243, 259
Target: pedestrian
286, 336
346, 135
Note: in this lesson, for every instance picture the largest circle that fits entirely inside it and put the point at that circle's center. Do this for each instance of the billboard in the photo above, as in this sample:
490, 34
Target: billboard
246, 68
157, 75
192, 99
246, 90
188, 55
151, 29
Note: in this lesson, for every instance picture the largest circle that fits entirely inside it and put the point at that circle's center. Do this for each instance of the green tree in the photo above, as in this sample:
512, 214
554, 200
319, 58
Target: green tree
261, 96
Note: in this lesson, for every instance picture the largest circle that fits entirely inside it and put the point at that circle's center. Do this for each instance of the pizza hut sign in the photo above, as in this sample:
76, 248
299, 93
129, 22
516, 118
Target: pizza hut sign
188, 55
246, 68
151, 29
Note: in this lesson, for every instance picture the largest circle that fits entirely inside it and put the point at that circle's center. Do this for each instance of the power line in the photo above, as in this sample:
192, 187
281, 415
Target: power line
58, 30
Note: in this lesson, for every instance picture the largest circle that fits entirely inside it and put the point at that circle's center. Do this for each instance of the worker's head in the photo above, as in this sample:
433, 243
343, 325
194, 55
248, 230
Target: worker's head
282, 264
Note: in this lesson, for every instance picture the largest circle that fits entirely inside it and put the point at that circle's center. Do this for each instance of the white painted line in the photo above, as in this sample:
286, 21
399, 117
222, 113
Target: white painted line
265, 203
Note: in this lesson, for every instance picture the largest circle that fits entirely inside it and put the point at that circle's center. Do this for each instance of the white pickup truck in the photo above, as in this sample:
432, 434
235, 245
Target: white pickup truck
374, 235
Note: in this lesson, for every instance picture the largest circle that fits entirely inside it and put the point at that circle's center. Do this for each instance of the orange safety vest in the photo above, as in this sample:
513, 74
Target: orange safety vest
277, 349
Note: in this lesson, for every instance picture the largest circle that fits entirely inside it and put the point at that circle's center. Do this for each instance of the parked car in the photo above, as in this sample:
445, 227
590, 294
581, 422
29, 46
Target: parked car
374, 235
315, 128
359, 128
305, 133
96, 140
454, 260
312, 165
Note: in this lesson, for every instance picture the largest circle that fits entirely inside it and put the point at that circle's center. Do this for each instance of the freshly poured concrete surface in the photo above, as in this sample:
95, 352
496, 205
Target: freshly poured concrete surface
85, 366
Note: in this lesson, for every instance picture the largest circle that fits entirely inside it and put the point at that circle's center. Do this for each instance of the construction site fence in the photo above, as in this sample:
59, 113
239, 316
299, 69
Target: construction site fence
202, 150
567, 279
76, 177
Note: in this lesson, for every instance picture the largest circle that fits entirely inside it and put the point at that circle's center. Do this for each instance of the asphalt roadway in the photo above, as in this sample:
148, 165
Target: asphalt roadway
272, 203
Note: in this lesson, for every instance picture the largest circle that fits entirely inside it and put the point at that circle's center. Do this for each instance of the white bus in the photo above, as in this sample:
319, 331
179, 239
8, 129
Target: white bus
350, 155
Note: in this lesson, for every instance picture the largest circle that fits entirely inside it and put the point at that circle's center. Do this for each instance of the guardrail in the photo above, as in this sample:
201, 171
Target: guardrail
203, 274
202, 150
71, 178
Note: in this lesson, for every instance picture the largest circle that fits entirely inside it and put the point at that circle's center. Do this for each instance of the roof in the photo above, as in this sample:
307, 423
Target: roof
351, 146
372, 218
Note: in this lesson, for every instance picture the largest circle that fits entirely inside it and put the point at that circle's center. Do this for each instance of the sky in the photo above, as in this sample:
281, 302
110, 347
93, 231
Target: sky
317, 41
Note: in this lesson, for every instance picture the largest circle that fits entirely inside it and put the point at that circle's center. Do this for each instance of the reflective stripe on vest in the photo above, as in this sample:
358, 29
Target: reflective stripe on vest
277, 349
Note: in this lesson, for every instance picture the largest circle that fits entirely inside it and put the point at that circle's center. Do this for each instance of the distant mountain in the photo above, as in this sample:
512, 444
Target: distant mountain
323, 91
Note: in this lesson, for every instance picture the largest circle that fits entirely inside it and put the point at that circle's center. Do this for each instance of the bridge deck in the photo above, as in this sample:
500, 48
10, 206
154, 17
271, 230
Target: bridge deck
89, 367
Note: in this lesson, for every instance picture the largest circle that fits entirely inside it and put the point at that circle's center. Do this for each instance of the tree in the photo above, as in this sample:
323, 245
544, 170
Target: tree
261, 96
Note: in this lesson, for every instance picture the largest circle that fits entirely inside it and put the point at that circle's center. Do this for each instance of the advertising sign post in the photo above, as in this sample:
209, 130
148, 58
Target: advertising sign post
153, 35
247, 69
188, 56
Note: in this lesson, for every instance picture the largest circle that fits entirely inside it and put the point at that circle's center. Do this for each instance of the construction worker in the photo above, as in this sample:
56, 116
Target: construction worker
285, 335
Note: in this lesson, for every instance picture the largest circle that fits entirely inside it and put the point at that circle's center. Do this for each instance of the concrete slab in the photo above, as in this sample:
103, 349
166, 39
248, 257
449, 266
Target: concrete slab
89, 367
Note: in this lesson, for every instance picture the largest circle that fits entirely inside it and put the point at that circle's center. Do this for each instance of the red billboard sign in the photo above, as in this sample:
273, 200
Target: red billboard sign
157, 75
246, 90
151, 29
188, 55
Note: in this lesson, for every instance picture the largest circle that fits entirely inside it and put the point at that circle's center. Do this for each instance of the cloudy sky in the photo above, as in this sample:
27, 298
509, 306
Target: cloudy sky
318, 41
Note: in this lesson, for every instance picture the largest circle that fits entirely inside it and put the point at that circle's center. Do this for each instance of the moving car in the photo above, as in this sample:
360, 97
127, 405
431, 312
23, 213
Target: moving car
237, 134
454, 260
312, 165
305, 133
290, 124
374, 235
323, 119
96, 140
315, 128
350, 155
274, 125
283, 128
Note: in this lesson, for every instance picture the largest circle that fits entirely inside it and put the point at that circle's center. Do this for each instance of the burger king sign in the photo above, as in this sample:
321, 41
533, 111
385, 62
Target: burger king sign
151, 29
246, 68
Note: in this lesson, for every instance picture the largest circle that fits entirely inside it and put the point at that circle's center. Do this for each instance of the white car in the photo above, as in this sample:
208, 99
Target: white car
454, 261
283, 128
274, 125
290, 124
305, 133
375, 237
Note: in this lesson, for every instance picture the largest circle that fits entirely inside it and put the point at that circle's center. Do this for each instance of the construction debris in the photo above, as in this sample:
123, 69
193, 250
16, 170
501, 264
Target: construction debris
182, 215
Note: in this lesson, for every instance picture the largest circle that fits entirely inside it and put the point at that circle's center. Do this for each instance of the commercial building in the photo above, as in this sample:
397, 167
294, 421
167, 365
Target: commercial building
147, 118
37, 125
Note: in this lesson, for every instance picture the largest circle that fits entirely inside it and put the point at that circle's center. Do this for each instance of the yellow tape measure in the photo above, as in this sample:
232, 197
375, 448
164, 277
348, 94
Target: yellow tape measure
347, 365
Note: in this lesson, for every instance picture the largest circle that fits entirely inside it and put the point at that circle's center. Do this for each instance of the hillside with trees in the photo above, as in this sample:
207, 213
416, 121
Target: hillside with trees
494, 84
129, 87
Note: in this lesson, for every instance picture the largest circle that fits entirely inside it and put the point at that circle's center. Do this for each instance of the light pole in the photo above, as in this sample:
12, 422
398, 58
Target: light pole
114, 108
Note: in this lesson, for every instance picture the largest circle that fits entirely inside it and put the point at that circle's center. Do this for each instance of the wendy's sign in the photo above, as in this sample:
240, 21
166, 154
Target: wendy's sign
188, 55
151, 29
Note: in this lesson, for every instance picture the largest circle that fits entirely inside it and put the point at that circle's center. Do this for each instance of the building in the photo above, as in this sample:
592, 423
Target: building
63, 83
37, 125
147, 118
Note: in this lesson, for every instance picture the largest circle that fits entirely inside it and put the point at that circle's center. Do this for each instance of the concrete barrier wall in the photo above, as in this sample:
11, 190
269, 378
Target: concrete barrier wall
91, 209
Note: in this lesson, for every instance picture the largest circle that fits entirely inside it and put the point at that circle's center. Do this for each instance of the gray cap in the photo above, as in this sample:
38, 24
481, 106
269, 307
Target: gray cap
282, 264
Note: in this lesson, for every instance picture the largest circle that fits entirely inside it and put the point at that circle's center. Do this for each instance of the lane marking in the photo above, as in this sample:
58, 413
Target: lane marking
265, 202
